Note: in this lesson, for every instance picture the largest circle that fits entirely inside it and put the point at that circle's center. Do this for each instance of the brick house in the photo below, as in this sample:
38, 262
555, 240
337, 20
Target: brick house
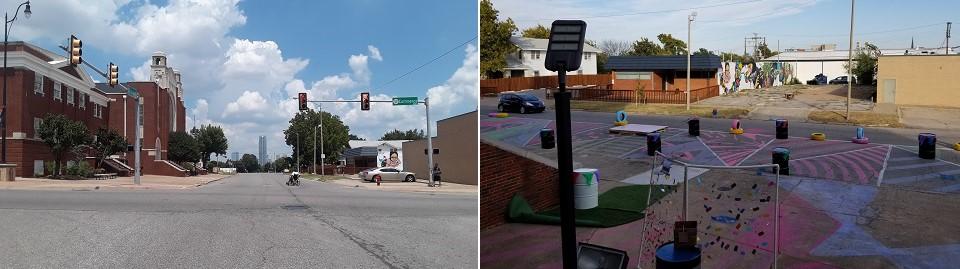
41, 82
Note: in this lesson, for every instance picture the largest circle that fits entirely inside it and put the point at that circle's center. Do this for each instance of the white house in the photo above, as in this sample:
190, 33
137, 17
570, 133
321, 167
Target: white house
806, 64
532, 52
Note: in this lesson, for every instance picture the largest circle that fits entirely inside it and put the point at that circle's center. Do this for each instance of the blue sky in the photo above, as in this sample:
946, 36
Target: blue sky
243, 60
719, 26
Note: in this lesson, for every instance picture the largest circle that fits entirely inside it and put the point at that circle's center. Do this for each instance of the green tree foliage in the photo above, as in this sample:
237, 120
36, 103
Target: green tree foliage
494, 39
355, 137
672, 46
248, 164
283, 163
865, 63
183, 148
538, 31
703, 52
732, 57
765, 51
211, 140
645, 47
62, 135
267, 167
412, 134
335, 136
108, 142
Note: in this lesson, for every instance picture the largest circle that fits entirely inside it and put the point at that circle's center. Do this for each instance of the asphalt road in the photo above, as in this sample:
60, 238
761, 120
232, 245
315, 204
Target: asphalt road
238, 222
893, 136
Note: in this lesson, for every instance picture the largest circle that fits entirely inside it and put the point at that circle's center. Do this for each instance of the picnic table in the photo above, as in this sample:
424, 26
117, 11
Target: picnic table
105, 176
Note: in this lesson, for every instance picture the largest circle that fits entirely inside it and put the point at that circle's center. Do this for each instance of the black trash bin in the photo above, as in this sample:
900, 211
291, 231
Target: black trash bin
928, 146
781, 156
547, 140
653, 143
782, 131
693, 126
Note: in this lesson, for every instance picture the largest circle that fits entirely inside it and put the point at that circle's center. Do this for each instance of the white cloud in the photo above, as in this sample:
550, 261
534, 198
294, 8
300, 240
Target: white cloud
374, 53
249, 104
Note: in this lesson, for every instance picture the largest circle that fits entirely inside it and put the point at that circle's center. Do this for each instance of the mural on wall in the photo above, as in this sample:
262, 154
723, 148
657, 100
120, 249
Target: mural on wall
736, 76
390, 159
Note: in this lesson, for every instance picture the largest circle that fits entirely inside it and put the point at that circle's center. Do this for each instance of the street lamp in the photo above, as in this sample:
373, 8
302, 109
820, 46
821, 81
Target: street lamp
690, 19
3, 110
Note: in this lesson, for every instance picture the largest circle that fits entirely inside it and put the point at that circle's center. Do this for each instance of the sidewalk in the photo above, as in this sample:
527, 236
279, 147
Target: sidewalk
120, 183
419, 186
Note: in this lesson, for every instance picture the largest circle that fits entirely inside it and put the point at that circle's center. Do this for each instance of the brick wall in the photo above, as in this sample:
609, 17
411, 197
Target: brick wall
504, 173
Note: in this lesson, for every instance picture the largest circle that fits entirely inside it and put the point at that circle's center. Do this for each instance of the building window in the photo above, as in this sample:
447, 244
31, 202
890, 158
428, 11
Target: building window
70, 95
536, 54
536, 73
96, 111
38, 83
36, 127
57, 95
634, 75
83, 101
586, 56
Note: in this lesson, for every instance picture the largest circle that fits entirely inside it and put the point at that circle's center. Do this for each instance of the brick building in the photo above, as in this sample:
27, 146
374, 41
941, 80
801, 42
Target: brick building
505, 171
40, 82
163, 112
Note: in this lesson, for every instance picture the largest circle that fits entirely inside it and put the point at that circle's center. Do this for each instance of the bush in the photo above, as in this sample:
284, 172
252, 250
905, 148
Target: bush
80, 169
48, 167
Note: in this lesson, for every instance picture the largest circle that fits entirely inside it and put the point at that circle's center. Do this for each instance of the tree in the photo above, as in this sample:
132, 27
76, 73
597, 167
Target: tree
765, 51
248, 163
645, 47
613, 47
267, 167
183, 148
355, 137
335, 136
672, 46
412, 134
732, 57
62, 135
865, 63
210, 140
703, 52
538, 31
108, 142
602, 58
495, 39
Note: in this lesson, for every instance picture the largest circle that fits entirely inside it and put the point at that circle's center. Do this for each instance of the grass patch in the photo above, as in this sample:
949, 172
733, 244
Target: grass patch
659, 109
617, 206
856, 118
320, 178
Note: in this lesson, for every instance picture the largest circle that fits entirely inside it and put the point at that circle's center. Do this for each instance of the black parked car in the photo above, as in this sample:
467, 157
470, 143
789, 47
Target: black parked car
842, 80
818, 80
523, 103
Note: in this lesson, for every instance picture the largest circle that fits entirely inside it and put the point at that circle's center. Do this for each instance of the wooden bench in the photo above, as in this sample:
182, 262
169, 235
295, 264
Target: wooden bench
105, 176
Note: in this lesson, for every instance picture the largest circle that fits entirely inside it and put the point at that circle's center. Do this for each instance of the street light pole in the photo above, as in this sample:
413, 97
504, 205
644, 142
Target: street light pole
3, 110
850, 61
426, 103
689, 47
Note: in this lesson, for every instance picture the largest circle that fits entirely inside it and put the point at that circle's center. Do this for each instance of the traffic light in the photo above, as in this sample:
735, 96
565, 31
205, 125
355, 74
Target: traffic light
113, 76
302, 97
365, 101
75, 51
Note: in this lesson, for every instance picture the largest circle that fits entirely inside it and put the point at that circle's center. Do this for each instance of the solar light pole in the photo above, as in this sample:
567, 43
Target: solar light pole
564, 53
850, 61
3, 109
690, 19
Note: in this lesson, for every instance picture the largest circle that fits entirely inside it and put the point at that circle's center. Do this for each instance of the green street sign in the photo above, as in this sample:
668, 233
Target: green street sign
404, 101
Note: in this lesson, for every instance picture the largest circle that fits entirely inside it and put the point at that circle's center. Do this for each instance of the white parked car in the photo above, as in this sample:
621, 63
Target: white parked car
386, 173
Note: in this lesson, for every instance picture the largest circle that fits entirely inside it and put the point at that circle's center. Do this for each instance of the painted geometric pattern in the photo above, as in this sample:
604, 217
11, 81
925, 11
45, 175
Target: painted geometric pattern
734, 148
905, 168
804, 148
857, 167
513, 131
579, 131
682, 147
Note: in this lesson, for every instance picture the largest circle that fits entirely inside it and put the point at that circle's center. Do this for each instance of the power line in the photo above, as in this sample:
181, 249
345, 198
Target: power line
651, 11
425, 64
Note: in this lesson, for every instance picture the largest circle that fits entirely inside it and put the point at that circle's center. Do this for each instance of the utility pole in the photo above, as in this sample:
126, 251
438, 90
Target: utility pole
948, 37
426, 104
690, 19
322, 156
850, 60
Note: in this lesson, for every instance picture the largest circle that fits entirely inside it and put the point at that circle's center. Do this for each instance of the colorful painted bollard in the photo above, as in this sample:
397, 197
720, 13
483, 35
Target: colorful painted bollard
586, 188
782, 131
928, 146
860, 138
781, 156
735, 128
621, 118
653, 143
670, 256
693, 126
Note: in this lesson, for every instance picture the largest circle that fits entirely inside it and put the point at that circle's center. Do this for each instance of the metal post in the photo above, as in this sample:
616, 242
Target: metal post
315, 150
3, 111
426, 103
689, 48
320, 107
685, 169
298, 152
776, 221
136, 142
850, 61
568, 228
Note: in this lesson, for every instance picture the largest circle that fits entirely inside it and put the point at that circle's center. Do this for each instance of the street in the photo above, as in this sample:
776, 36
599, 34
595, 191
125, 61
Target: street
244, 221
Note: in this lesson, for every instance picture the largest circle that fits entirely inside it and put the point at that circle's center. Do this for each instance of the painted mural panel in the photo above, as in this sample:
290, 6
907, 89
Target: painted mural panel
736, 76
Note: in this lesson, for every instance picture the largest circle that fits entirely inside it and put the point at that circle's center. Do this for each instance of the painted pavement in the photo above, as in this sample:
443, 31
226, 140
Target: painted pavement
845, 205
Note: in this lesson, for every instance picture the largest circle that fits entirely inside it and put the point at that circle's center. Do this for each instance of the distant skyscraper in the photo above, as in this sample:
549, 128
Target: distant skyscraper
262, 158
235, 156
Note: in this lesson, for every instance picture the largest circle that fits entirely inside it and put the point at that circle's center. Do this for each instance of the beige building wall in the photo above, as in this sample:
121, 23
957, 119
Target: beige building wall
921, 80
458, 143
